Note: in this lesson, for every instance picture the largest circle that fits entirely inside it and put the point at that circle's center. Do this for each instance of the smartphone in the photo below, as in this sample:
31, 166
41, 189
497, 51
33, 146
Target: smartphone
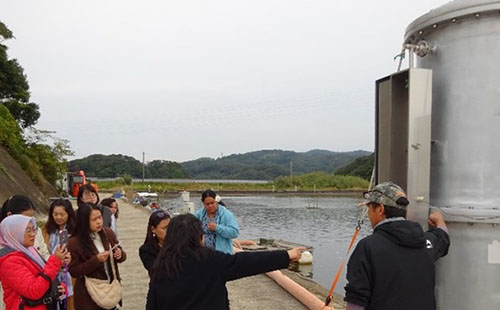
63, 237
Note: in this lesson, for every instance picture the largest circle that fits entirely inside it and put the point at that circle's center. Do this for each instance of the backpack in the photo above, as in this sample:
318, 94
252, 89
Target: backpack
49, 299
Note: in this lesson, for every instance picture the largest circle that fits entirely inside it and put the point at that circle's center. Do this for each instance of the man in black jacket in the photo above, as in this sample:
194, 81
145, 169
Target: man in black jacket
393, 269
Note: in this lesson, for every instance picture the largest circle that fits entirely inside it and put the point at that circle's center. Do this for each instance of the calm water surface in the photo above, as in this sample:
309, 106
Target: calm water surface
328, 227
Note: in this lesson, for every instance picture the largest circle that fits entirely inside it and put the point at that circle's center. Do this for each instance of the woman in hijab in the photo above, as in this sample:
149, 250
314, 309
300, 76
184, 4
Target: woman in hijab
23, 272
20, 204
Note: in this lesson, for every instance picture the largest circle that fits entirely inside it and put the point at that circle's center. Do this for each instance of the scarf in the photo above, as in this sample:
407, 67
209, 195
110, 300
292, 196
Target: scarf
12, 231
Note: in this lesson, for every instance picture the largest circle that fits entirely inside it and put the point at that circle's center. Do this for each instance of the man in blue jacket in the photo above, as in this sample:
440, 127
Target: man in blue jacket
393, 269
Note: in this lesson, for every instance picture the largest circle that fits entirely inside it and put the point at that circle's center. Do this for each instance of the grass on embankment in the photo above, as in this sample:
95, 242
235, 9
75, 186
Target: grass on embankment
316, 181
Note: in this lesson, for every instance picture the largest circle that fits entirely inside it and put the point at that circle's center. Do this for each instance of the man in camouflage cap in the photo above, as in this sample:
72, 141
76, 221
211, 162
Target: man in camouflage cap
393, 269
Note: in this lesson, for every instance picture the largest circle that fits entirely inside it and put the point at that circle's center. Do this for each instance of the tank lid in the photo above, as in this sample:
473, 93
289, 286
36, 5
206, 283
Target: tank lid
450, 13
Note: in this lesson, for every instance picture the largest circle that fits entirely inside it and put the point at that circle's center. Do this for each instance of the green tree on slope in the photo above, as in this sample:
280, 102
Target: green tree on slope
38, 152
14, 88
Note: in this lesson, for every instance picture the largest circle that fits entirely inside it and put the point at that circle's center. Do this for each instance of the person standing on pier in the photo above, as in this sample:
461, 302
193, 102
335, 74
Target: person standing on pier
112, 204
393, 268
59, 227
155, 236
26, 277
188, 275
20, 204
219, 224
91, 247
87, 194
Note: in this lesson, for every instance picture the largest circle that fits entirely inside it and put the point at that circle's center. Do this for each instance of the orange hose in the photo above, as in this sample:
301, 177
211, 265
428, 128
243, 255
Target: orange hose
301, 294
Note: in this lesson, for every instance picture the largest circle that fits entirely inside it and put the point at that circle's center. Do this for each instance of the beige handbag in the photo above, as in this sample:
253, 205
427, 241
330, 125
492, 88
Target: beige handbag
106, 295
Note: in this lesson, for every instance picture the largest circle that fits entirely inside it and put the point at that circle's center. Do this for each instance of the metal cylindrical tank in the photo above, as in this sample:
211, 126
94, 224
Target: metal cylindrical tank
464, 40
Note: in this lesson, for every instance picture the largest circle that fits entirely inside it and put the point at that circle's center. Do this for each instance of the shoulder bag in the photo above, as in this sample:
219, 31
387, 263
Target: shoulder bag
106, 295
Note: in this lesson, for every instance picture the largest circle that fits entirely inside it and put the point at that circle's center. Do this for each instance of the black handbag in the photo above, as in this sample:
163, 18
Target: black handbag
49, 299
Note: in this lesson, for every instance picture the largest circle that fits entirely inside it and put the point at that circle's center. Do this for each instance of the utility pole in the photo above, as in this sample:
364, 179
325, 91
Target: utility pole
291, 173
143, 166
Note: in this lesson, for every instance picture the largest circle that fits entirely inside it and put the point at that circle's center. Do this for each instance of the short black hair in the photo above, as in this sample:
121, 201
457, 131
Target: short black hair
16, 204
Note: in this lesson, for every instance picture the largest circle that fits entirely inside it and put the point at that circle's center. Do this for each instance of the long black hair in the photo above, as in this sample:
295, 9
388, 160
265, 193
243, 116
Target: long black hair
154, 220
82, 229
211, 193
183, 241
83, 188
16, 204
108, 201
51, 225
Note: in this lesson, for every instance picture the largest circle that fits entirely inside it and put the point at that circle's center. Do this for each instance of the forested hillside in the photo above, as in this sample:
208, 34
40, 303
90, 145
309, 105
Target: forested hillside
117, 165
268, 164
361, 167
32, 160
259, 165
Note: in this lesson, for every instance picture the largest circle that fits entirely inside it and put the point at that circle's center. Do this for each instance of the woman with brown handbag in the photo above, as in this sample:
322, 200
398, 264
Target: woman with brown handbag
95, 256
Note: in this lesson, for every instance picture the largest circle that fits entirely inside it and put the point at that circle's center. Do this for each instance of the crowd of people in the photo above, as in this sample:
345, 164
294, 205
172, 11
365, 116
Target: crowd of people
72, 262
51, 267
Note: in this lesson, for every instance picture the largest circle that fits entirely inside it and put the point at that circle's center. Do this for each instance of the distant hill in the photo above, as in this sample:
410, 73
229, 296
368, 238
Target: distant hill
259, 165
361, 167
268, 164
117, 165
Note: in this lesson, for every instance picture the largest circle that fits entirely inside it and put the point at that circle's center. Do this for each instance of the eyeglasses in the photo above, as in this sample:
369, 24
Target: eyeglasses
87, 193
31, 230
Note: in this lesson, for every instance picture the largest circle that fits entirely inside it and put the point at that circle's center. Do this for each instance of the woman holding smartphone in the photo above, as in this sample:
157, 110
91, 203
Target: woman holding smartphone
57, 230
91, 247
26, 277
20, 204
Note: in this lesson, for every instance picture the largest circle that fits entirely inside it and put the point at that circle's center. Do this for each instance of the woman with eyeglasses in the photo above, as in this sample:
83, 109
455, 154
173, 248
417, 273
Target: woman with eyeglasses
155, 236
219, 224
59, 227
20, 204
26, 277
87, 194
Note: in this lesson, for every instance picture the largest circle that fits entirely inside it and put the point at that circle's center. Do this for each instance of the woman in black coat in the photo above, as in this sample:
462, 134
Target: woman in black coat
155, 236
187, 275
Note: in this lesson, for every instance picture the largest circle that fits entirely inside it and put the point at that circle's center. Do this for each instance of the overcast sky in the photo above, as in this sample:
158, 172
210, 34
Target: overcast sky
185, 79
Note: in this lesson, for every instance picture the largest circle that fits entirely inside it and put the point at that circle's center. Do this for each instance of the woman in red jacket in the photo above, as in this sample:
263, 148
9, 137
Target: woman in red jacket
23, 272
